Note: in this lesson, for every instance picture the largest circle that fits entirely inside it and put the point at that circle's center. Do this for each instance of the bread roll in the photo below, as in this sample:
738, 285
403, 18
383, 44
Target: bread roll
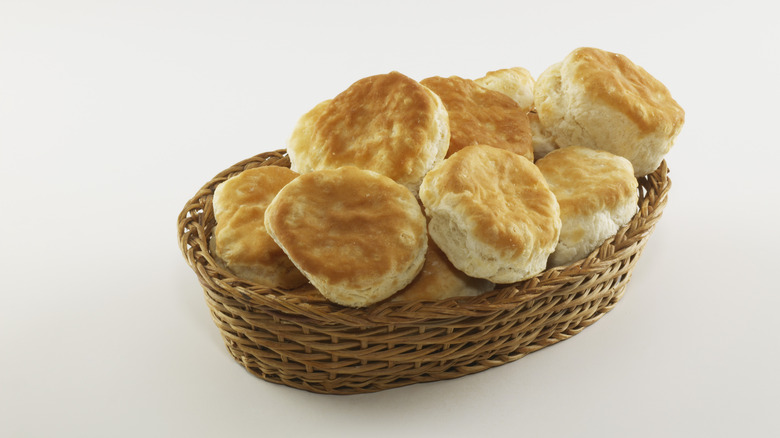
515, 83
439, 279
492, 213
597, 193
602, 100
388, 123
358, 236
482, 116
241, 243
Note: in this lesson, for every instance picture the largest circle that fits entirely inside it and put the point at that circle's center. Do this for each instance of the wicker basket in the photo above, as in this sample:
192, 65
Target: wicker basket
299, 339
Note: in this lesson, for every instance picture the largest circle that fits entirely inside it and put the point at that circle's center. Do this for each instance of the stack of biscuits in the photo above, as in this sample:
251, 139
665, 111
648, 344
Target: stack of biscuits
411, 190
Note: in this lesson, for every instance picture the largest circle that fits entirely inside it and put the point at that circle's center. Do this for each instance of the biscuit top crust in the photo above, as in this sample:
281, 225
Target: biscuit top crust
616, 81
439, 279
239, 207
515, 82
504, 196
379, 123
482, 116
348, 226
586, 181
436, 277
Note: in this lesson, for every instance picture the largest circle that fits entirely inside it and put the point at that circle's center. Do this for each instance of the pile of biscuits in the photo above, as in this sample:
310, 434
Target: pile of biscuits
446, 187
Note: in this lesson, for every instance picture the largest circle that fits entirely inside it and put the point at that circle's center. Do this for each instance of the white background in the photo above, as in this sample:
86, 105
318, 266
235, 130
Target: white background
113, 114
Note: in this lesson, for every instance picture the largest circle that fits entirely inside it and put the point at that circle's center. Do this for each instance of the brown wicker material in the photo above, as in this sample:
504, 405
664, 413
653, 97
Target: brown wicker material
299, 339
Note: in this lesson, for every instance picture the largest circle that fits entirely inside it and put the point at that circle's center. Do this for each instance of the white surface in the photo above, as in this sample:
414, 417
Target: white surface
112, 114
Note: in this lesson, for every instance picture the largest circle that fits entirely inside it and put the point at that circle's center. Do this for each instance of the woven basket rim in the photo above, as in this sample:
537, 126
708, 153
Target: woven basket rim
305, 304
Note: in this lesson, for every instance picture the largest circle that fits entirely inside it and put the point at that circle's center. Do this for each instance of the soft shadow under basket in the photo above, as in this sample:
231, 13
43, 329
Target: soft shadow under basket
299, 339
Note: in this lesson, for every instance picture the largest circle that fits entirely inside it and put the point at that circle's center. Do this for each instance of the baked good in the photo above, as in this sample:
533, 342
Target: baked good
597, 193
241, 243
602, 100
358, 236
492, 213
515, 82
482, 116
542, 140
439, 279
386, 123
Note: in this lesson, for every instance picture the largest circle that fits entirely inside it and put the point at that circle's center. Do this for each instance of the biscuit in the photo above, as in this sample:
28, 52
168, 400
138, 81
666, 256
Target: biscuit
516, 83
603, 100
358, 236
388, 123
492, 213
542, 139
240, 243
439, 279
482, 116
597, 193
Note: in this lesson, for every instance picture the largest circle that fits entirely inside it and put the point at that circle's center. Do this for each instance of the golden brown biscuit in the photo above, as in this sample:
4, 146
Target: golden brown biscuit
492, 213
358, 236
482, 116
602, 100
387, 123
597, 193
439, 279
241, 243
515, 82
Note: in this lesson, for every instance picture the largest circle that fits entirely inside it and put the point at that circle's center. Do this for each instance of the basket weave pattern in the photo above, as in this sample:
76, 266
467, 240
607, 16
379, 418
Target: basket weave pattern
298, 338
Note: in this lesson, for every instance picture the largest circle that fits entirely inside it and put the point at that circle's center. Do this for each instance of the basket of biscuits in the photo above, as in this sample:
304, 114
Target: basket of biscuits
413, 231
